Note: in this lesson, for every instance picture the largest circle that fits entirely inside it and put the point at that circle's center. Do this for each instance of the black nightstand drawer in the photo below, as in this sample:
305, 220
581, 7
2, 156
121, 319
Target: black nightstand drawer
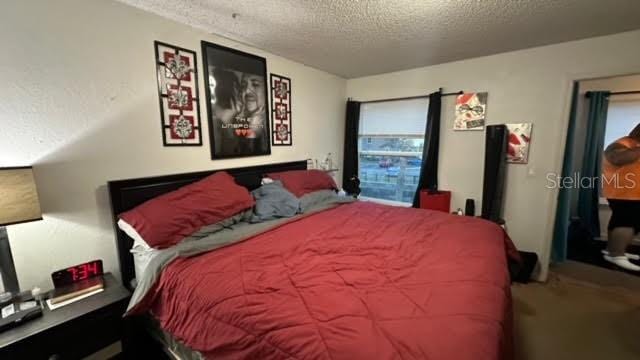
87, 326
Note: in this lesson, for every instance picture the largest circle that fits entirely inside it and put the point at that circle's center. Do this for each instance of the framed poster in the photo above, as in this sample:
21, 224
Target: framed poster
519, 143
471, 109
281, 110
238, 111
177, 71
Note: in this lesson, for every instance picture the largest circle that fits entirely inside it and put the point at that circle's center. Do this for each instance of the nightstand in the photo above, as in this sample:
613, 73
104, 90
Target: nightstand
72, 331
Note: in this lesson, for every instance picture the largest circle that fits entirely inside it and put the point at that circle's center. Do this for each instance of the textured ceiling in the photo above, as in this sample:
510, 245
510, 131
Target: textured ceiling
353, 38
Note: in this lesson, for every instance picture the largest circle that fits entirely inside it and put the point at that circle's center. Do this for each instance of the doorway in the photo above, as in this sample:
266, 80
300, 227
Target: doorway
603, 111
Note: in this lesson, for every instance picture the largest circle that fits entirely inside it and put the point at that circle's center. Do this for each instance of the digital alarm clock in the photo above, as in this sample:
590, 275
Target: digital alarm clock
77, 273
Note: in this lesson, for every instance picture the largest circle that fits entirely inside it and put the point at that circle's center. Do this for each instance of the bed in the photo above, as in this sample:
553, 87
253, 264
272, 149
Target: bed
354, 280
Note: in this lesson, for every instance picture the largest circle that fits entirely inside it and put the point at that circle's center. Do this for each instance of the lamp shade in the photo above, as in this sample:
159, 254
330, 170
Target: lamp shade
18, 196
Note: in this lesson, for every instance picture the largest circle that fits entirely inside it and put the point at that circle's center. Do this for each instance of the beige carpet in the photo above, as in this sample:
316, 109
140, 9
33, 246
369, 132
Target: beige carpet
582, 312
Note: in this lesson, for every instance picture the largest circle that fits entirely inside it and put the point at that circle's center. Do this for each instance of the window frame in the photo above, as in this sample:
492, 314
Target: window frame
365, 137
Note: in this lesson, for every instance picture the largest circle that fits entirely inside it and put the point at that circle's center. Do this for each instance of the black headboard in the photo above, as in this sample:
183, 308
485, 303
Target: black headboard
127, 194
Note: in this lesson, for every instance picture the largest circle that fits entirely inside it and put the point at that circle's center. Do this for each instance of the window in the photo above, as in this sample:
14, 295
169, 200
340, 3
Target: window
391, 138
623, 115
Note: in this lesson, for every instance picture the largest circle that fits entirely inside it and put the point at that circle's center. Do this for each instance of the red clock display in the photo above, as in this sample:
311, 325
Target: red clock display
77, 273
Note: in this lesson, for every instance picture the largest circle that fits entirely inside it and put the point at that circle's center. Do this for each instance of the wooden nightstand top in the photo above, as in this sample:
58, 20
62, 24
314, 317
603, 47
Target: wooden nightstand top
113, 292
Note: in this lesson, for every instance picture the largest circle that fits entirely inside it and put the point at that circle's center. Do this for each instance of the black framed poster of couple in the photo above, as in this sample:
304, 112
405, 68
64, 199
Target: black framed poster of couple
237, 102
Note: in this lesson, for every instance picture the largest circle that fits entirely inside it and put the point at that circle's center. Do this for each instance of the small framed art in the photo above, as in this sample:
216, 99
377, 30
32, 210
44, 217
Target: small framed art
281, 111
471, 110
519, 143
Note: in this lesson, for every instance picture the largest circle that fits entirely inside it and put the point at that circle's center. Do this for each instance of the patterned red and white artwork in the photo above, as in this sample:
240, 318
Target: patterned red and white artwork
281, 110
519, 142
178, 93
471, 109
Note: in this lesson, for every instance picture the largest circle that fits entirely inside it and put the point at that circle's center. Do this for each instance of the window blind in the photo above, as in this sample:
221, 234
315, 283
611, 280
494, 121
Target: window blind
401, 117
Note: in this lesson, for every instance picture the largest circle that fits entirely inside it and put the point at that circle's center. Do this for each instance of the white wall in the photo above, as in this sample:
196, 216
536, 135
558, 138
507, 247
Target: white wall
532, 85
79, 101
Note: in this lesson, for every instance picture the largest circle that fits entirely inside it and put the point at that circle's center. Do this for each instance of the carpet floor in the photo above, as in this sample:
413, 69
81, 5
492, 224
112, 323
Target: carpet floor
582, 312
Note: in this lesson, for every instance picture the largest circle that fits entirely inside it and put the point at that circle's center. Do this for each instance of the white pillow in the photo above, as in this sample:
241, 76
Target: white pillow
142, 252
142, 255
131, 232
266, 180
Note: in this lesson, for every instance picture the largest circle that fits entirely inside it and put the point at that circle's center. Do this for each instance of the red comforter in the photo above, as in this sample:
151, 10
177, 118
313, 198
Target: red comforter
360, 281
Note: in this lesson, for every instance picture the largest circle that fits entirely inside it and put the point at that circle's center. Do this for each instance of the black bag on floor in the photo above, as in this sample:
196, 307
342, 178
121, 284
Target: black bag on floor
521, 271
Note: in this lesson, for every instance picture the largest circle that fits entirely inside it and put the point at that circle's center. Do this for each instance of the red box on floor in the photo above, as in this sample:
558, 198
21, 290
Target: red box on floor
435, 200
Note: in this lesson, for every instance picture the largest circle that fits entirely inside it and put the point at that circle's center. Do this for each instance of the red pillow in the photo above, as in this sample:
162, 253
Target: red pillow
166, 220
300, 182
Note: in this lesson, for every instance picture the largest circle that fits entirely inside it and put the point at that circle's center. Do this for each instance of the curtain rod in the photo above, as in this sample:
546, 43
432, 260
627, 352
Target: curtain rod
588, 93
410, 97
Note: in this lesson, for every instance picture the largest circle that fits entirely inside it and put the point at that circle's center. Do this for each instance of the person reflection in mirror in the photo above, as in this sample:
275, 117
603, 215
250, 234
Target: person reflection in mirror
621, 187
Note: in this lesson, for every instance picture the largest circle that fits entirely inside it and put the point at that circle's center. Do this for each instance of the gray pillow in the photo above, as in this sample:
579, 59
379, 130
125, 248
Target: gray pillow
317, 198
273, 201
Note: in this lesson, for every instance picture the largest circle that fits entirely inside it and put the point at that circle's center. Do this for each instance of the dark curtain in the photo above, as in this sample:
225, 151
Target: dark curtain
563, 209
588, 196
350, 159
429, 168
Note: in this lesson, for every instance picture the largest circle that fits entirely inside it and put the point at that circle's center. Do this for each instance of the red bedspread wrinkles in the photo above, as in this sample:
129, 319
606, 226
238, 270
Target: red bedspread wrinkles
359, 281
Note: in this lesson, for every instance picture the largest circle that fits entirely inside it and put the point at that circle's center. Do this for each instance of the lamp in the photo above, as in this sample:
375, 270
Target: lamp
18, 204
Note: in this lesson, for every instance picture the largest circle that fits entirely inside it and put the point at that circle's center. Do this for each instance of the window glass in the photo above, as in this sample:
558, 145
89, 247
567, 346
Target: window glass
391, 137
623, 115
